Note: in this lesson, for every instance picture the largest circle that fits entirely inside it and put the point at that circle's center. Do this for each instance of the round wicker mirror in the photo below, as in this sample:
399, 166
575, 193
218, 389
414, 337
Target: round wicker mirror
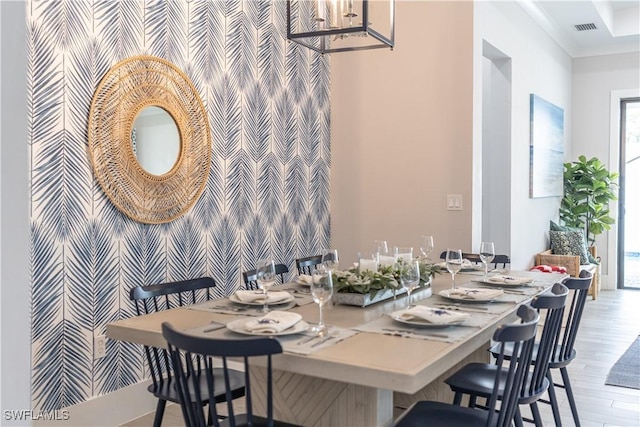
129, 88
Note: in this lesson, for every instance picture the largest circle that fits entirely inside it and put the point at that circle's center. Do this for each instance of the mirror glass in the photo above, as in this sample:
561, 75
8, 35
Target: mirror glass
155, 140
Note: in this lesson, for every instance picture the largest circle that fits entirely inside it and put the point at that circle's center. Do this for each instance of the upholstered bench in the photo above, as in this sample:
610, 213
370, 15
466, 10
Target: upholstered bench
573, 266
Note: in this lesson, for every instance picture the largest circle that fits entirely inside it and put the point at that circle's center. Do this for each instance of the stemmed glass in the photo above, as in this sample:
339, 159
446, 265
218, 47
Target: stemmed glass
454, 264
405, 254
330, 258
380, 248
321, 291
487, 252
426, 246
409, 271
266, 277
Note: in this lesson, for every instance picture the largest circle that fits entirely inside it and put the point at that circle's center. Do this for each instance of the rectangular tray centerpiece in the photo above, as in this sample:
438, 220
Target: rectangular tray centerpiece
374, 286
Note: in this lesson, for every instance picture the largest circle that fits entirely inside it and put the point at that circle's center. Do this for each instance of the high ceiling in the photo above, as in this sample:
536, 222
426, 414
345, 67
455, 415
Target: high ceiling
616, 22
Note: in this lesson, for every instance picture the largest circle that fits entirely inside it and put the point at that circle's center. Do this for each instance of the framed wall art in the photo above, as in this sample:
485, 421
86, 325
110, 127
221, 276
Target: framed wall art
546, 148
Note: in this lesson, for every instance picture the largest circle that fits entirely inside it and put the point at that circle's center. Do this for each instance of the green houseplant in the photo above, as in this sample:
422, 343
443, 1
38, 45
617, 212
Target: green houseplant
588, 189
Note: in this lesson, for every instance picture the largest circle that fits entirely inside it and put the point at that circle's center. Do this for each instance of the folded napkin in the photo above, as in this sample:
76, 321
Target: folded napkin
273, 322
465, 264
305, 279
509, 280
274, 297
482, 294
436, 316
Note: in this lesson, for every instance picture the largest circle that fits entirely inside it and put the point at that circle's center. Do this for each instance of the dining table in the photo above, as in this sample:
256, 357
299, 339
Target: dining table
370, 361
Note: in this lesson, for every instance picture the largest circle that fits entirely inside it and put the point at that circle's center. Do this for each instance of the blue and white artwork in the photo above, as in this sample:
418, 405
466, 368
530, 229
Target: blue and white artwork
546, 149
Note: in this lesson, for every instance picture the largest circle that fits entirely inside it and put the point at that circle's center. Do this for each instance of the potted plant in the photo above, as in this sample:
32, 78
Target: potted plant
588, 189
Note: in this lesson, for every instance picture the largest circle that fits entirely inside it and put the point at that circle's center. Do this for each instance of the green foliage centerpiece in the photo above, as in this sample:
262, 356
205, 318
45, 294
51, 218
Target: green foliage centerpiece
372, 282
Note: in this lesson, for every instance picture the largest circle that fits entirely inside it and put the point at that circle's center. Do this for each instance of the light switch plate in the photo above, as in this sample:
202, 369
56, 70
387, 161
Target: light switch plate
454, 202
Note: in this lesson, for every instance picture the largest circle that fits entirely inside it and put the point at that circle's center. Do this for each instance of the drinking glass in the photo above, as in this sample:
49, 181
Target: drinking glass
330, 258
380, 247
487, 252
403, 253
426, 246
454, 264
409, 272
266, 277
321, 291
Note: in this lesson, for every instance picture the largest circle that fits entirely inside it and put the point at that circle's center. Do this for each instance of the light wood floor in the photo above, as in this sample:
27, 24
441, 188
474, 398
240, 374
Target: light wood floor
609, 325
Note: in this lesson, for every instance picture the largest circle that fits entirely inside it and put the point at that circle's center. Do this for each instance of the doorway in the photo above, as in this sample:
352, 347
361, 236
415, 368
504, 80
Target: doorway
629, 195
496, 148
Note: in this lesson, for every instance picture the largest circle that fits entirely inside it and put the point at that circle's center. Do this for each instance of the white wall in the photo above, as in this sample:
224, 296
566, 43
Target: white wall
14, 213
401, 133
539, 66
598, 84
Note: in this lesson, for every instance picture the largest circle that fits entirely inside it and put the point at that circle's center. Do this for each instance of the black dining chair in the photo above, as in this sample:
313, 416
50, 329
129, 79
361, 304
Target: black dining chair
476, 379
307, 264
250, 277
158, 297
498, 260
564, 351
520, 338
185, 349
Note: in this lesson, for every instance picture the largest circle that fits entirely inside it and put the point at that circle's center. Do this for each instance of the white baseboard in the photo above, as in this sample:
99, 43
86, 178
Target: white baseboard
112, 409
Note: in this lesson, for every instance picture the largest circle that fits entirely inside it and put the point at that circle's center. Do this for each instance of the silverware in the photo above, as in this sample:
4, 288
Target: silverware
214, 327
307, 339
322, 341
461, 308
400, 332
229, 307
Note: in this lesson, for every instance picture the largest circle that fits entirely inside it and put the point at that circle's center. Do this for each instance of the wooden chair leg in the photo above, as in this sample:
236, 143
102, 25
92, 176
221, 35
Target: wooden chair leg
472, 401
157, 418
537, 419
517, 419
569, 390
553, 399
457, 399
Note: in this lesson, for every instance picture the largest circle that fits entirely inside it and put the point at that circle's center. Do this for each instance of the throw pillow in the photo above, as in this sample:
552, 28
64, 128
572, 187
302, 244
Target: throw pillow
557, 227
569, 243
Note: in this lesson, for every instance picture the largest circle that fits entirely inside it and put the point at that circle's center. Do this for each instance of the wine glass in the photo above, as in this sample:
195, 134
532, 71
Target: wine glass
321, 291
403, 253
487, 252
380, 248
426, 246
454, 264
330, 258
266, 277
409, 272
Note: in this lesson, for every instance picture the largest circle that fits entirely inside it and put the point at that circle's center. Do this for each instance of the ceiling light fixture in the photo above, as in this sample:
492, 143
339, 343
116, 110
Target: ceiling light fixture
341, 25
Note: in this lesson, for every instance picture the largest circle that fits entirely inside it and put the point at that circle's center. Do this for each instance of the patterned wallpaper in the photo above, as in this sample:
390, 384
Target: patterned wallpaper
268, 190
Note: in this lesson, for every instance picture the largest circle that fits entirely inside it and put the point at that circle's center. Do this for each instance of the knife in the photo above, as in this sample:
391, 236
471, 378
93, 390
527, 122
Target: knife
420, 333
459, 308
322, 341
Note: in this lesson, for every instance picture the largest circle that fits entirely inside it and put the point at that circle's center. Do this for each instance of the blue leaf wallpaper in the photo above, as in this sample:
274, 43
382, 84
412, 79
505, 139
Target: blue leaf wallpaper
267, 194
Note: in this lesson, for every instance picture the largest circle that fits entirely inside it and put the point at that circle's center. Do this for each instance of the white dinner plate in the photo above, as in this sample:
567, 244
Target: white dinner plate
446, 293
238, 326
423, 323
502, 285
234, 298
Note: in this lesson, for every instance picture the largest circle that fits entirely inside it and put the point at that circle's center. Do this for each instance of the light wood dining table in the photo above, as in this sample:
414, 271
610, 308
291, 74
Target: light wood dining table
358, 380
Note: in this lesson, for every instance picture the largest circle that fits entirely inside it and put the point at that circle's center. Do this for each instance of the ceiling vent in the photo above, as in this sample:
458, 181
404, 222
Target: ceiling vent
586, 27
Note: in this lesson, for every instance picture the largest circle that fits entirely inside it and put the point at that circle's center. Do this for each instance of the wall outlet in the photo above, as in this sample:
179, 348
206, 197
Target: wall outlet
99, 346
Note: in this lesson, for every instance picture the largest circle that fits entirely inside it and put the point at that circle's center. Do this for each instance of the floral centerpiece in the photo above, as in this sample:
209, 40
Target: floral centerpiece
372, 282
